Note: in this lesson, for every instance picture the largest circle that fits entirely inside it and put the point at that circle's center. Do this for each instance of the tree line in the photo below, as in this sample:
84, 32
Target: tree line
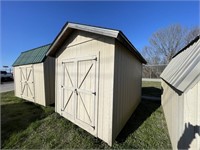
166, 42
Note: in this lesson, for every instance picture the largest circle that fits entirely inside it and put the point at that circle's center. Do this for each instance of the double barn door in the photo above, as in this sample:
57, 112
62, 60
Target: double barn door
27, 83
79, 92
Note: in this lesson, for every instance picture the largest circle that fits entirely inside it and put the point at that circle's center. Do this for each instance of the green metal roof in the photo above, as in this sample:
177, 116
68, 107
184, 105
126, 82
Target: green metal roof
32, 56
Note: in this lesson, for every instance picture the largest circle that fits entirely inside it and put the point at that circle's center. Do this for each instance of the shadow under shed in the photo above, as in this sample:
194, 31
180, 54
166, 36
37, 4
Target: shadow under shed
151, 91
143, 111
16, 117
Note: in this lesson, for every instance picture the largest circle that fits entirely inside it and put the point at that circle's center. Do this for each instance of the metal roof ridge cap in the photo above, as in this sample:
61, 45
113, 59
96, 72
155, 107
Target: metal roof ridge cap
101, 27
74, 25
93, 29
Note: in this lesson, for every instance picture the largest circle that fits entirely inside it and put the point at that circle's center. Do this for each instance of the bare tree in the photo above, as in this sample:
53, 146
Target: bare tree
166, 42
192, 33
151, 56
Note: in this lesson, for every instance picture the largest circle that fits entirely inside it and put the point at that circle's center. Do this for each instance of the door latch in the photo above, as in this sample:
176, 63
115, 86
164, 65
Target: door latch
75, 90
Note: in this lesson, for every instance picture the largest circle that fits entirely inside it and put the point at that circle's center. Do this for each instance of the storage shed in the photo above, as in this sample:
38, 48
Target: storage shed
181, 97
98, 78
34, 76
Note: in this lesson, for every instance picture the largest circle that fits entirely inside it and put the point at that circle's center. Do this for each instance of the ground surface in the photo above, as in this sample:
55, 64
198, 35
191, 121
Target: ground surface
30, 126
6, 86
151, 89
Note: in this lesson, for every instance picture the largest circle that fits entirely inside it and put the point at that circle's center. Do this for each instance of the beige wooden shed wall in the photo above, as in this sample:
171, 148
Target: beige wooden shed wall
182, 115
38, 75
82, 44
192, 113
127, 83
44, 93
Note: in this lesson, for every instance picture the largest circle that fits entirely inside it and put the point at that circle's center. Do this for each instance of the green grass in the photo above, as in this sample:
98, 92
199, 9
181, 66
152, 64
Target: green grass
151, 84
31, 126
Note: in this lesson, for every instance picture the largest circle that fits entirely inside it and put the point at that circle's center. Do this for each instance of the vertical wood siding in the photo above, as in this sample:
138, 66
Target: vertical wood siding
49, 79
192, 113
17, 83
82, 44
38, 85
43, 82
127, 86
173, 107
182, 114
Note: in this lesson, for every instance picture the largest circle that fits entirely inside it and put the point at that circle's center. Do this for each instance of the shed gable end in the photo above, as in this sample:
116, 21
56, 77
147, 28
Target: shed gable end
111, 33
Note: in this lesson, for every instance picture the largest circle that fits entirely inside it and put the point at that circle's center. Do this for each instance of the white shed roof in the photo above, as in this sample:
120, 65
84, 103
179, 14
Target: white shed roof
69, 27
184, 68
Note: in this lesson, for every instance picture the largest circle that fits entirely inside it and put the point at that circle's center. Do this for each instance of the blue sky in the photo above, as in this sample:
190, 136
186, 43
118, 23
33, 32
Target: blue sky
26, 25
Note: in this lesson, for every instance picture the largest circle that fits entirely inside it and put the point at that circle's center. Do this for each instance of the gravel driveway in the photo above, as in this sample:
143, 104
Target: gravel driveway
6, 86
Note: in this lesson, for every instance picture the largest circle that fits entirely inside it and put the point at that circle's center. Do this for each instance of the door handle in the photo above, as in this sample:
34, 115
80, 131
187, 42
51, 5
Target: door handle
75, 90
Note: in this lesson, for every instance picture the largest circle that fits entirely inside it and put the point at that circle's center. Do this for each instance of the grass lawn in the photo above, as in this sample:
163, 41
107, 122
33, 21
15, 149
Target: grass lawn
31, 126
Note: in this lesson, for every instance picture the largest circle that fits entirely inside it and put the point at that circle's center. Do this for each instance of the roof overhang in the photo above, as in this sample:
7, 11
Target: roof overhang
70, 27
183, 69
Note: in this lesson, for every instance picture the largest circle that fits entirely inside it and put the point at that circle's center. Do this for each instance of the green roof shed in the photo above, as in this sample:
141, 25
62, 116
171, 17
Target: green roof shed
34, 75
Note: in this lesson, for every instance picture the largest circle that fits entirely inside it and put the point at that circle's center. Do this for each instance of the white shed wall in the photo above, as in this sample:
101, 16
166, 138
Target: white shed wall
82, 44
192, 114
173, 107
39, 84
17, 83
38, 75
43, 82
127, 86
182, 116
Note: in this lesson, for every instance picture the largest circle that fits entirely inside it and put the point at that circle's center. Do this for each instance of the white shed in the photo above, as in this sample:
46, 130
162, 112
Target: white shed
98, 78
181, 97
34, 76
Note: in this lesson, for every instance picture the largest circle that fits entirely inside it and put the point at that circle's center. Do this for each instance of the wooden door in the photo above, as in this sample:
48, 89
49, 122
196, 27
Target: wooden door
68, 89
27, 83
86, 92
80, 91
